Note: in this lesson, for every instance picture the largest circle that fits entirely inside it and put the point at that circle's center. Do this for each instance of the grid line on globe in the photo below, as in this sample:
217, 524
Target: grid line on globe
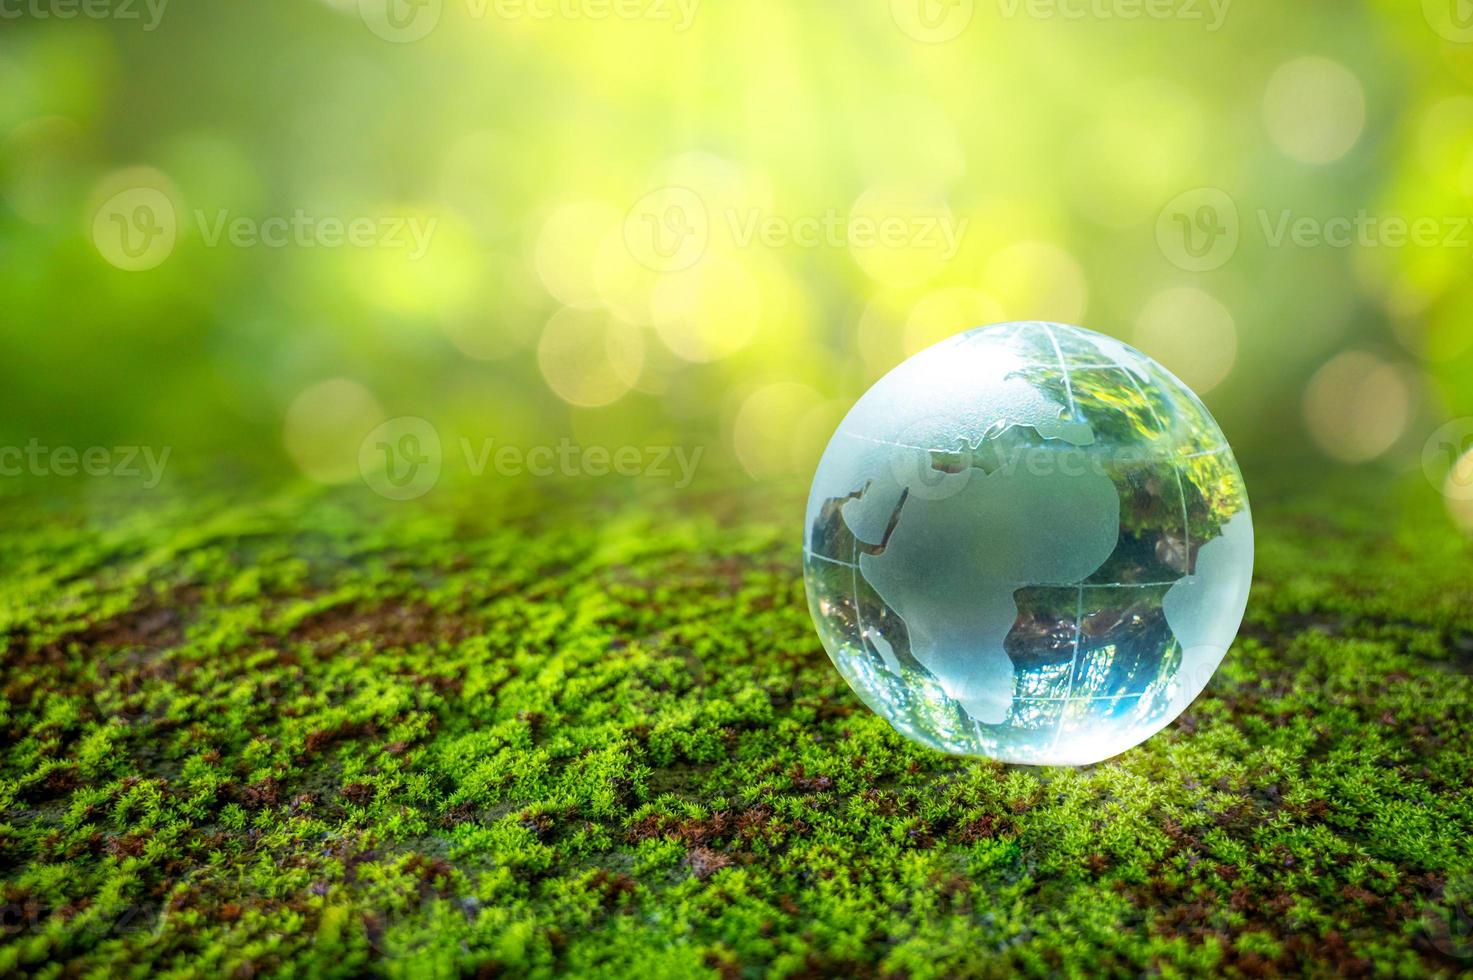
1045, 545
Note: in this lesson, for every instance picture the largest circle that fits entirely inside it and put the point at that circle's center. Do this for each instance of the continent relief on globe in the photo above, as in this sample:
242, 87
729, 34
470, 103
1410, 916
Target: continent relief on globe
1037, 578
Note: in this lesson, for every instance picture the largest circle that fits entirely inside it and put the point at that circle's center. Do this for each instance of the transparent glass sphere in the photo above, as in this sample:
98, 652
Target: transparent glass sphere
1029, 542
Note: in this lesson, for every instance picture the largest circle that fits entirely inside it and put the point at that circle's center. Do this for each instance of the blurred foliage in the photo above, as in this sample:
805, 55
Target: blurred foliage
1029, 157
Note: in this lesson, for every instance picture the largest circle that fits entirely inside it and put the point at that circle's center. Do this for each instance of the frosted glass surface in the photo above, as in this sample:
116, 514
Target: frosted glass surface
1029, 542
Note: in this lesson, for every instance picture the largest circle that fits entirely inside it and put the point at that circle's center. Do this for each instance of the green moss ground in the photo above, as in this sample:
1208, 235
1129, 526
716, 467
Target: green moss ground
319, 735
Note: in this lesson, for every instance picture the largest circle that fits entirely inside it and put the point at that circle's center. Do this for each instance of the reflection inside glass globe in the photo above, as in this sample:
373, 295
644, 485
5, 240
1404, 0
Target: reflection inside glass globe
1029, 542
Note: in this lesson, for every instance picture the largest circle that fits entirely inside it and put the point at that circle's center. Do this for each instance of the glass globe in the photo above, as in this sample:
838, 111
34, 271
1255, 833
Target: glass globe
1029, 542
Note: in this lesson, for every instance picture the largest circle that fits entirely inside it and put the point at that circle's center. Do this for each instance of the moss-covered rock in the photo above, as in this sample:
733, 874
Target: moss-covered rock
327, 736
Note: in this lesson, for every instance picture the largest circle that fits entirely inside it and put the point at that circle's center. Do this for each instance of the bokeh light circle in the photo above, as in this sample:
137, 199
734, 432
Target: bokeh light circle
934, 316
1314, 109
325, 427
1036, 279
708, 312
765, 431
1191, 333
567, 247
1357, 406
590, 358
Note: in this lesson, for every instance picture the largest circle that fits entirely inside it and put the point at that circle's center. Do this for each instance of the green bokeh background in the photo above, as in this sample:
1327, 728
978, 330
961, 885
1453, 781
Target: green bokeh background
256, 729
1060, 141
